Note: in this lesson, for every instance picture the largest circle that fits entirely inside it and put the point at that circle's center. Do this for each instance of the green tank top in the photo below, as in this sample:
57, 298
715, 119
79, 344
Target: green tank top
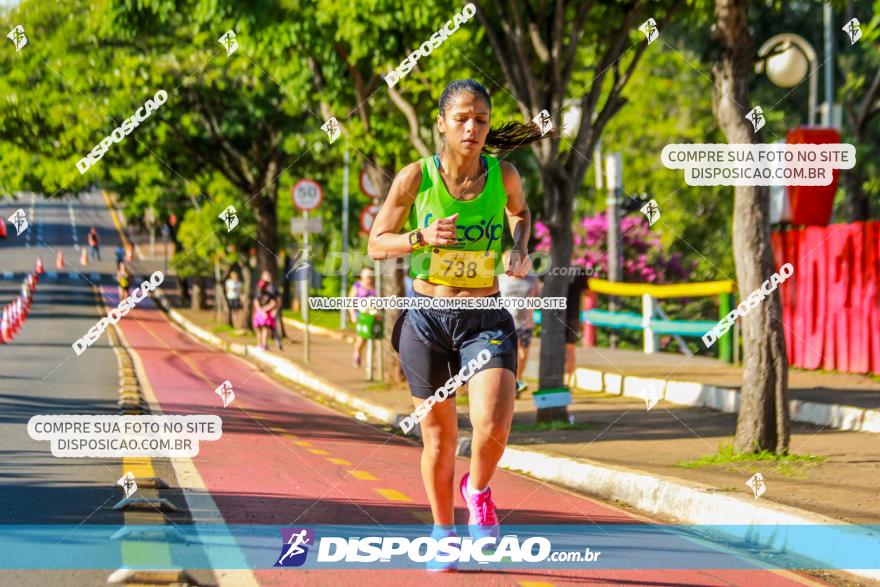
480, 223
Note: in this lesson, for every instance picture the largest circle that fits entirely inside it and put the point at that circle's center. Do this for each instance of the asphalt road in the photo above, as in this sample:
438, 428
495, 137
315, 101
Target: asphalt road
41, 374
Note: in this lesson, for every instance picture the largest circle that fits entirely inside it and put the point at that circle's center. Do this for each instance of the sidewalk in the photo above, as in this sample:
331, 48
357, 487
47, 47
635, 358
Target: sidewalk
815, 386
620, 432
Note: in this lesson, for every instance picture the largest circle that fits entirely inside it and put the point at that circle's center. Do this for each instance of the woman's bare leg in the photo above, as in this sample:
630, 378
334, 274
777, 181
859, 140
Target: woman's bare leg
491, 393
439, 437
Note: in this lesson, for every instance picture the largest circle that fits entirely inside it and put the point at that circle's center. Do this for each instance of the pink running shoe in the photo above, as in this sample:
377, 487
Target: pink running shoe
483, 521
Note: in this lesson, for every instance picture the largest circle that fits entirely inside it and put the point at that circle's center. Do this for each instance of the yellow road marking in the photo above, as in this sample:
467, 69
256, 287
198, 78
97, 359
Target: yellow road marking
536, 584
342, 462
302, 443
318, 451
423, 516
392, 494
139, 466
115, 219
362, 475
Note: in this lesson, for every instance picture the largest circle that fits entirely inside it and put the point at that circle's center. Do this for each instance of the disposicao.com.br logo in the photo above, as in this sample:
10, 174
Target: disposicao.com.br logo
296, 546
402, 551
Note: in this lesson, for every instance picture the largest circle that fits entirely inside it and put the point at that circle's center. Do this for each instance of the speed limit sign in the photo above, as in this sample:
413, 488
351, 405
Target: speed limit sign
367, 186
307, 195
368, 215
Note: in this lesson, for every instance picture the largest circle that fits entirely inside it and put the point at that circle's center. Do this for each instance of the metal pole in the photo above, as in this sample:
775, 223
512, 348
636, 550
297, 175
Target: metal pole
165, 251
343, 317
614, 169
827, 16
381, 342
649, 339
305, 288
814, 90
726, 343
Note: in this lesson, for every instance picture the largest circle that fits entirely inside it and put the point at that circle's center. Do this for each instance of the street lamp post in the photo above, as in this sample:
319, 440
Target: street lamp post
786, 58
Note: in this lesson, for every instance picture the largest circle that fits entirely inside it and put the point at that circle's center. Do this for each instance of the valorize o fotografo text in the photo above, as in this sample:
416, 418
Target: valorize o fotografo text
420, 303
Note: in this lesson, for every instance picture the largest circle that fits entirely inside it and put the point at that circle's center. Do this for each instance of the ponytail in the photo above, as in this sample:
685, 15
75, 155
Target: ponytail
508, 136
512, 135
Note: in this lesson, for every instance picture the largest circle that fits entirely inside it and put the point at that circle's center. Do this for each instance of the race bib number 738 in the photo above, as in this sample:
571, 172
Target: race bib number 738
462, 268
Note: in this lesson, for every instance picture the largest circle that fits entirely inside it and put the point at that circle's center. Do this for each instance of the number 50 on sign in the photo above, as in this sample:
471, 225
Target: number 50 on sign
307, 194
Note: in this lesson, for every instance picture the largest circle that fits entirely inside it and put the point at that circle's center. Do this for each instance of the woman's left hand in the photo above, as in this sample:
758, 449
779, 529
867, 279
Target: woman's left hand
518, 264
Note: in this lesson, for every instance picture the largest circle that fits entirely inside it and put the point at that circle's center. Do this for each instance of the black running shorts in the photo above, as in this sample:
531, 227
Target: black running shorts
435, 344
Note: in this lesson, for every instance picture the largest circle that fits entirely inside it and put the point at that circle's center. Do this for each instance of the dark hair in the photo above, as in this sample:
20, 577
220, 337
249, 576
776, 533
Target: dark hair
504, 138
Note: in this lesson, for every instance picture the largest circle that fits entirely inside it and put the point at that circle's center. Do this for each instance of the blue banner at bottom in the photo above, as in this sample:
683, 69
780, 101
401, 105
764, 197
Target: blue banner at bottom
613, 546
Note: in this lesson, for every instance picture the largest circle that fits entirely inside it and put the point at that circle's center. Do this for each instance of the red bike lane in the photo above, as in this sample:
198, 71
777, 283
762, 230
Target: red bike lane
284, 459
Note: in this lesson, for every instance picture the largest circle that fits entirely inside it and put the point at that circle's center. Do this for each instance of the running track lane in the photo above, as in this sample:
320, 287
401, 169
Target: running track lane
285, 459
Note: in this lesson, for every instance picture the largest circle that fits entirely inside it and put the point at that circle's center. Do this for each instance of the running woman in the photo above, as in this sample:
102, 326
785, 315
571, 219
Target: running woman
454, 205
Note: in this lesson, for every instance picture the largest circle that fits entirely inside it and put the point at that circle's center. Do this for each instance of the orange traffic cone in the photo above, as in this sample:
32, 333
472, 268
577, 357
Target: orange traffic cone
15, 318
59, 260
84, 258
4, 329
39, 269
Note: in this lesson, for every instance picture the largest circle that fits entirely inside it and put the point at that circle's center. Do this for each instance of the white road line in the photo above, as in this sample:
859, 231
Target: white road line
199, 501
32, 219
72, 214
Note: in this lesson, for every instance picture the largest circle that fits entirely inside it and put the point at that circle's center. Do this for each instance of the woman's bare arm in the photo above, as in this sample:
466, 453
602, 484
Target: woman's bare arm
385, 242
519, 218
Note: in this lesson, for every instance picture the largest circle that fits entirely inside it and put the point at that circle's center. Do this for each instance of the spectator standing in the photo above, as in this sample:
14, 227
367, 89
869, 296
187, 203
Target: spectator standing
520, 287
576, 289
363, 288
123, 280
277, 313
264, 307
93, 242
233, 297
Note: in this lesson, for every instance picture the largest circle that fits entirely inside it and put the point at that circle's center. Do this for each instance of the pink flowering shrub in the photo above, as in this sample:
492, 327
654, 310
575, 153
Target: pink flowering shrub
643, 258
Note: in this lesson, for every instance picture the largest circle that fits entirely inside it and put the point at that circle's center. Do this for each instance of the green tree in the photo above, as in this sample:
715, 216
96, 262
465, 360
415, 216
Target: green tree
763, 422
580, 53
860, 97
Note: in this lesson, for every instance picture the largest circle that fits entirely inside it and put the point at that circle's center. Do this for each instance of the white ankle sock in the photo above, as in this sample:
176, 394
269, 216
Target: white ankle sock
473, 491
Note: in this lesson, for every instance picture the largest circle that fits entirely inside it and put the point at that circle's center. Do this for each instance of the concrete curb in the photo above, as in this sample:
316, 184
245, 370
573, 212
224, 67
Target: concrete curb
687, 502
282, 367
725, 399
766, 524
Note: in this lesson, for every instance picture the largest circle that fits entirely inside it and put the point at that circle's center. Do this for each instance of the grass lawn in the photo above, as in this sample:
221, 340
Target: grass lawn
548, 426
324, 318
785, 464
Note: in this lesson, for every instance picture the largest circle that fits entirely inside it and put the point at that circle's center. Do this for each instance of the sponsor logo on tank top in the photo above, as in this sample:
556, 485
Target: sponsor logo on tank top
471, 233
